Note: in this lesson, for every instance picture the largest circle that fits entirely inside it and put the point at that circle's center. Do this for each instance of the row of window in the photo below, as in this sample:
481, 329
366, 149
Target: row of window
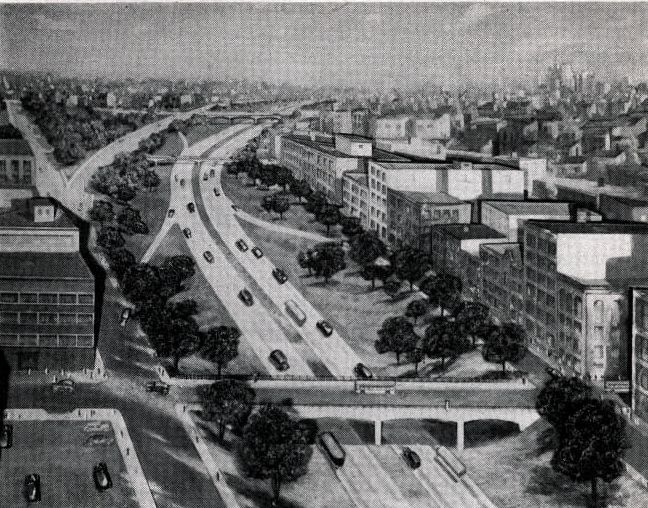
49, 298
24, 176
46, 340
541, 244
44, 318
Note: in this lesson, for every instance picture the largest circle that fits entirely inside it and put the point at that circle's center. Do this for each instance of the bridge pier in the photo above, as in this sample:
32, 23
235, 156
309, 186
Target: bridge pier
460, 436
377, 432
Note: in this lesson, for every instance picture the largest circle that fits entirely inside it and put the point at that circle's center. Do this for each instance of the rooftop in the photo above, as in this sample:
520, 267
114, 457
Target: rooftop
30, 265
595, 228
328, 147
530, 207
628, 200
15, 147
356, 138
357, 176
428, 197
470, 231
21, 214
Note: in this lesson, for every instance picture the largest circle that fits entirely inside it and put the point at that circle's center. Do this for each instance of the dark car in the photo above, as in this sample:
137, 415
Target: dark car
187, 232
235, 208
258, 253
216, 192
279, 275
246, 297
362, 371
206, 176
64, 385
99, 440
553, 372
182, 182
212, 172
411, 457
32, 488
191, 207
241, 245
6, 437
125, 315
208, 256
325, 327
279, 360
157, 387
171, 213
101, 477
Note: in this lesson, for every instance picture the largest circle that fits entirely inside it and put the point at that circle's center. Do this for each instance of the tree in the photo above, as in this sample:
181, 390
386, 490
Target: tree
174, 271
267, 202
559, 397
366, 247
416, 356
592, 445
124, 193
473, 318
142, 283
220, 345
416, 308
442, 340
300, 189
351, 226
120, 261
443, 290
410, 264
131, 221
504, 343
316, 200
274, 447
177, 338
110, 238
392, 286
150, 179
280, 205
283, 176
396, 336
102, 211
326, 259
304, 260
226, 402
328, 216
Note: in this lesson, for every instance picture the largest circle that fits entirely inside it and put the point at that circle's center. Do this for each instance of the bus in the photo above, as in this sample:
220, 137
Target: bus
448, 460
332, 448
295, 312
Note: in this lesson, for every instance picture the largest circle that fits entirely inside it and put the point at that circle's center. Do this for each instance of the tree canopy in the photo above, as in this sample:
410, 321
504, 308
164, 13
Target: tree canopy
220, 345
324, 260
227, 402
559, 397
504, 343
396, 336
443, 290
443, 340
410, 264
131, 221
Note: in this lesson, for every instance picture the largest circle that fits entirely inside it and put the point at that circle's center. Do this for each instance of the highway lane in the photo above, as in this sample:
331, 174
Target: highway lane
338, 357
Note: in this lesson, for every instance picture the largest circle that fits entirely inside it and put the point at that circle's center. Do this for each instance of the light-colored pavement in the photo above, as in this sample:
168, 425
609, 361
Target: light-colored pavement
338, 357
270, 226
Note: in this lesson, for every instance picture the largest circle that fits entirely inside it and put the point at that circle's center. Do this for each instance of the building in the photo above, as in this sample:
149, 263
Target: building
502, 285
507, 217
355, 196
360, 121
623, 208
589, 267
432, 126
394, 127
639, 349
47, 292
17, 170
412, 214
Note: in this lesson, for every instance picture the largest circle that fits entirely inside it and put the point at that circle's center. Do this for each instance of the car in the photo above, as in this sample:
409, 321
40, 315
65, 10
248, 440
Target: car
246, 297
279, 275
362, 371
32, 488
411, 457
6, 437
64, 385
216, 192
325, 327
553, 372
191, 207
258, 253
212, 172
235, 208
99, 440
241, 245
125, 315
97, 427
171, 213
208, 256
158, 387
182, 182
186, 232
101, 477
279, 360
206, 176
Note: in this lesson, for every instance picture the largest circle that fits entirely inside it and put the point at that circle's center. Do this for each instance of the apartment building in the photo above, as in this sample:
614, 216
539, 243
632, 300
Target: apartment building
394, 127
432, 126
17, 170
639, 352
507, 217
355, 196
502, 285
623, 208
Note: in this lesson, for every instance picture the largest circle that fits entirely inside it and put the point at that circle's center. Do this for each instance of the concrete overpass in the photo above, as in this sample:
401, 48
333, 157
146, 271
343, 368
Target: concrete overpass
240, 116
170, 159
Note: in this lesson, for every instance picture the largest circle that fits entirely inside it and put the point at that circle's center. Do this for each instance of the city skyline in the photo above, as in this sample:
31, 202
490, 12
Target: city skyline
327, 44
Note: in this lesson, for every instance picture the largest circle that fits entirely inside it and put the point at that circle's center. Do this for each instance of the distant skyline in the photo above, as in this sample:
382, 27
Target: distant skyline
379, 45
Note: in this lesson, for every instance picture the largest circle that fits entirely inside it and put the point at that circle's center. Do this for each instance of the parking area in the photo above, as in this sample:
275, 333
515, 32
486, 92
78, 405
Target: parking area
63, 454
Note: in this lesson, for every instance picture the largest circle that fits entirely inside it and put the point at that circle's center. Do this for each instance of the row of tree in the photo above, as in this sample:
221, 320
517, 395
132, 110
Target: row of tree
589, 435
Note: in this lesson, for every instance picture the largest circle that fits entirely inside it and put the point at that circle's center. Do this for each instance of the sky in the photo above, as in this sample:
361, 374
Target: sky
379, 45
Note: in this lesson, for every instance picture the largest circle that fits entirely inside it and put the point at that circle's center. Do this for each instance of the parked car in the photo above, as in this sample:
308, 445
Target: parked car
32, 488
212, 172
241, 245
216, 192
325, 327
182, 182
187, 232
97, 427
64, 385
125, 315
158, 387
99, 440
279, 275
411, 457
246, 297
279, 360
362, 371
171, 213
101, 477
191, 207
258, 253
206, 176
235, 208
208, 256
6, 437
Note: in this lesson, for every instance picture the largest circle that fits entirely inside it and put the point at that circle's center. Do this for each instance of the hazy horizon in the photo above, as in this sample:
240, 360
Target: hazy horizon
378, 45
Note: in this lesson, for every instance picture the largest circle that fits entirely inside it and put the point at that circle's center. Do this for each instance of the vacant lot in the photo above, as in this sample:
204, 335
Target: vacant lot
57, 452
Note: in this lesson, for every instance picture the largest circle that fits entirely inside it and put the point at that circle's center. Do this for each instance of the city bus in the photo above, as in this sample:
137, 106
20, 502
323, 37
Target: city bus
295, 312
331, 446
448, 459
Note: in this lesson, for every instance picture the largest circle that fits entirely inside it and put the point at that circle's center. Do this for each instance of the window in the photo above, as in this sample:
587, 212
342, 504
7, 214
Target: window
28, 297
28, 318
578, 307
67, 319
84, 319
47, 298
8, 297
9, 318
47, 340
27, 170
47, 318
67, 340
67, 298
85, 340
3, 171
86, 299
8, 339
15, 170
600, 353
598, 312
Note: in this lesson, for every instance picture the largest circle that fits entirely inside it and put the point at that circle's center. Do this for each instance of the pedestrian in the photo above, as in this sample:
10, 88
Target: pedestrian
217, 476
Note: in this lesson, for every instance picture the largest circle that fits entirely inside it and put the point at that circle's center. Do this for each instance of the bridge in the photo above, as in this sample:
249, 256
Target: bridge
171, 159
245, 116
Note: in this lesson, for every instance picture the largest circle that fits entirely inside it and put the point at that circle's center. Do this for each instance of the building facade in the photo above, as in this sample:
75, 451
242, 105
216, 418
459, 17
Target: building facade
355, 196
508, 216
502, 285
639, 352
